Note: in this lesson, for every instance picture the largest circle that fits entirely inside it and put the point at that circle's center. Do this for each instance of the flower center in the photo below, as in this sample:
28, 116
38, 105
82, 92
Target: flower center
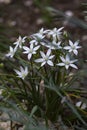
73, 47
46, 58
31, 51
67, 63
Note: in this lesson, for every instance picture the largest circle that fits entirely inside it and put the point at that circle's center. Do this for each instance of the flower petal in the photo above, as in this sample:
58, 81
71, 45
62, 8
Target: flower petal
73, 66
49, 62
36, 48
48, 52
42, 54
70, 43
75, 52
43, 63
39, 60
29, 56
60, 64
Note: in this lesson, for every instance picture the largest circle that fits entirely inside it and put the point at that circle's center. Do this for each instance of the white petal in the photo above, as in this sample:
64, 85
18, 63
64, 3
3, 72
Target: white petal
61, 64
77, 47
46, 31
42, 54
50, 63
70, 43
16, 43
19, 38
78, 104
33, 41
41, 30
67, 47
54, 29
26, 70
51, 33
24, 38
39, 60
21, 68
70, 50
60, 29
75, 52
51, 56
74, 66
76, 43
66, 66
29, 56
83, 106
11, 49
48, 52
26, 52
62, 58
43, 43
25, 48
43, 63
67, 58
31, 46
72, 61
36, 48
18, 72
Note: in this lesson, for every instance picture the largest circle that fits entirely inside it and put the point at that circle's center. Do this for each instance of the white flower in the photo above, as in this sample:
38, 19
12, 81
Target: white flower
19, 42
22, 73
34, 41
40, 35
67, 63
73, 47
51, 45
81, 105
11, 52
46, 58
55, 33
54, 45
30, 51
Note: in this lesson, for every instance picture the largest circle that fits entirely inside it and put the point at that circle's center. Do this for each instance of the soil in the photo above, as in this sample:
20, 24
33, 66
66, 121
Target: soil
25, 16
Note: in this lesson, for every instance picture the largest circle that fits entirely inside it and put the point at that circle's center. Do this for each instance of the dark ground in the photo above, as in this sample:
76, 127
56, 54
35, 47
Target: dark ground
26, 17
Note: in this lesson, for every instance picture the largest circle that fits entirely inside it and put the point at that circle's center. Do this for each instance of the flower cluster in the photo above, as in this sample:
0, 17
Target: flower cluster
48, 47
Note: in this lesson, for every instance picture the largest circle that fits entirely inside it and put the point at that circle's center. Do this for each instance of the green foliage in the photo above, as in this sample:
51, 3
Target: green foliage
46, 98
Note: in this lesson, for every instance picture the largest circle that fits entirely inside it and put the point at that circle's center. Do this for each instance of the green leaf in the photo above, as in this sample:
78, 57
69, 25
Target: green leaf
33, 110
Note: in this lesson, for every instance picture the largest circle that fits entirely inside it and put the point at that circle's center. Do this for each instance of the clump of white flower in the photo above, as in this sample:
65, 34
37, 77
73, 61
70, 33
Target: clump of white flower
48, 47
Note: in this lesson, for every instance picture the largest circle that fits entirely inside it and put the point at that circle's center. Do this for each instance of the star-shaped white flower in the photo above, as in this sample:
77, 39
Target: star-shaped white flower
67, 62
46, 58
22, 73
73, 47
20, 41
11, 52
34, 41
41, 34
55, 33
54, 45
30, 51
